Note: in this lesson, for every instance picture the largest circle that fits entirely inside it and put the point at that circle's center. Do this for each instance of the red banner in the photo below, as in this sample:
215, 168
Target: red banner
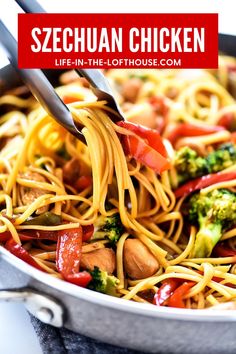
118, 40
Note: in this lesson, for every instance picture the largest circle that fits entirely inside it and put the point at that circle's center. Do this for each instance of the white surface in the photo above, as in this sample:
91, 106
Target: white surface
17, 335
16, 332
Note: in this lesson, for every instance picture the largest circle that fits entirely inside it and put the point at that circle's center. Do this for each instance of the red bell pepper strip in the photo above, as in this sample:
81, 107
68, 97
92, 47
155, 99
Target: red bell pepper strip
228, 121
38, 235
5, 236
69, 249
139, 148
83, 182
21, 253
223, 251
176, 299
165, 291
150, 136
81, 279
88, 231
218, 279
145, 154
203, 182
190, 130
28, 235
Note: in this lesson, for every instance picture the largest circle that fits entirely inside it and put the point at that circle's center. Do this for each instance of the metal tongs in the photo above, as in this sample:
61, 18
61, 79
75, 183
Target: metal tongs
42, 89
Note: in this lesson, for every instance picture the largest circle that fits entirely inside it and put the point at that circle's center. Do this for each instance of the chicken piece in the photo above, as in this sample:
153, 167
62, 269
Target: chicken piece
28, 195
71, 171
71, 76
131, 88
103, 258
139, 262
144, 114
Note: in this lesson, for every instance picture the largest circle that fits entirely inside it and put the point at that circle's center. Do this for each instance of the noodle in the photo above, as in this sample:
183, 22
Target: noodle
46, 173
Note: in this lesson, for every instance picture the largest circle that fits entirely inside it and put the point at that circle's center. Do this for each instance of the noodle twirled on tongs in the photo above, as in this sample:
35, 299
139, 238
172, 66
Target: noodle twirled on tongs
146, 209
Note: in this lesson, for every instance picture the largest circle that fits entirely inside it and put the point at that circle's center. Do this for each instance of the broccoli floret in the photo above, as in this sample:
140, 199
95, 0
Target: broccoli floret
103, 282
222, 158
214, 213
108, 227
189, 165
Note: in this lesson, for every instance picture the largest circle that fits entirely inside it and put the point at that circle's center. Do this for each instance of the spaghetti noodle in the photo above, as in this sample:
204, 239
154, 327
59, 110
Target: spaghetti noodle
107, 215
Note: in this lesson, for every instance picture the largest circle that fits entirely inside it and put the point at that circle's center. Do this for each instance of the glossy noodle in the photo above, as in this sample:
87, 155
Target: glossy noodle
57, 193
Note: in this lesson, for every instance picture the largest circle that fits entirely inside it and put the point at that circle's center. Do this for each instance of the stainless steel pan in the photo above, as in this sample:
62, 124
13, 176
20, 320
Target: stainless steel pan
115, 321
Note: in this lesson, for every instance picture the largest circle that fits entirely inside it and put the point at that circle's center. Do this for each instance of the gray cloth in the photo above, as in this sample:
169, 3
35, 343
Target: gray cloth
62, 341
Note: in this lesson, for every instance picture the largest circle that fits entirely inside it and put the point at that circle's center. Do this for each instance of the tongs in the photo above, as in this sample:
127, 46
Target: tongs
42, 89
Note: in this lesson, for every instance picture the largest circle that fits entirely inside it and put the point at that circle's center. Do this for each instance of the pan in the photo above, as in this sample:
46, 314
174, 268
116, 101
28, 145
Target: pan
112, 320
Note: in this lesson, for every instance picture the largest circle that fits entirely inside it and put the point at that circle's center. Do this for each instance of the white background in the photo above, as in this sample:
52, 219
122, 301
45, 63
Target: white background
16, 332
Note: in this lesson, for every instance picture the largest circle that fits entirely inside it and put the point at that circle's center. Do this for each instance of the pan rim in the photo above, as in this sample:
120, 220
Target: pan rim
116, 303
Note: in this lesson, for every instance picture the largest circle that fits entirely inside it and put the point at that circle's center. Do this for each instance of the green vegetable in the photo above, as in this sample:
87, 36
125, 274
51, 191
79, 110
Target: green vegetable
189, 165
214, 212
108, 227
103, 282
45, 219
222, 158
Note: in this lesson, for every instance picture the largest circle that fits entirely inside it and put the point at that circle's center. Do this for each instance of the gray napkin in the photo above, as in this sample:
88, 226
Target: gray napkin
62, 341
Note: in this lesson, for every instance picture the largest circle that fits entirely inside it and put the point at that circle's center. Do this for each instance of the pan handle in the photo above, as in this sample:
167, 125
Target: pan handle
45, 308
